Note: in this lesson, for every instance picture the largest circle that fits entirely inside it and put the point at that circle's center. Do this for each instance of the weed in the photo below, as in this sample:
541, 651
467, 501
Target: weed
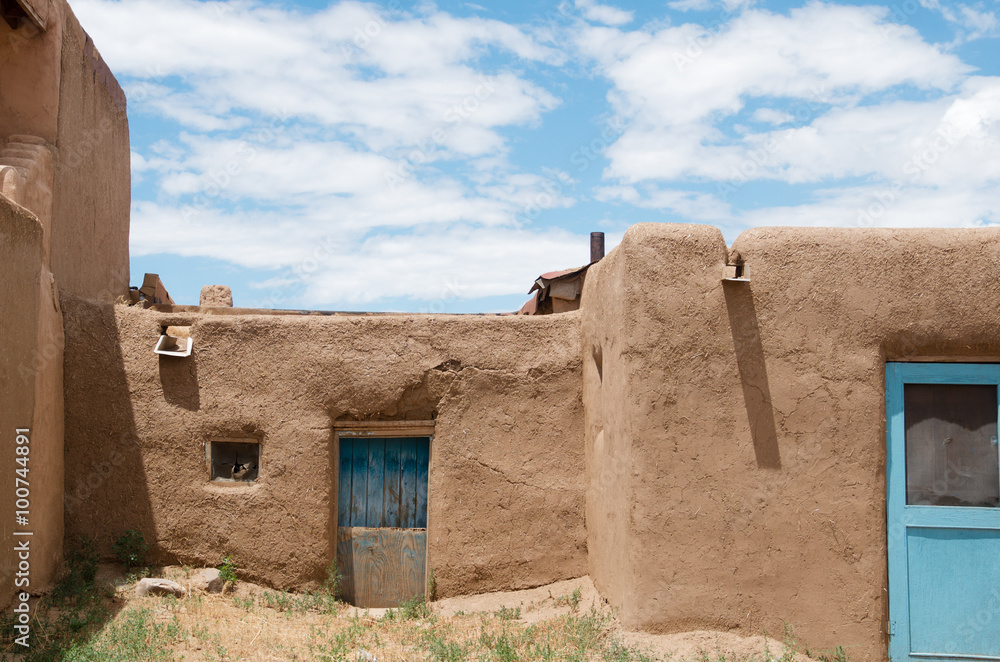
81, 566
246, 604
227, 570
412, 609
130, 549
334, 580
616, 652
133, 638
432, 586
337, 650
445, 651
505, 614
278, 600
838, 654
501, 647
574, 599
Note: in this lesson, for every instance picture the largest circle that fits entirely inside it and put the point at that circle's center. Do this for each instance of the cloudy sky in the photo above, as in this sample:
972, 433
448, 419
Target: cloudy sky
437, 157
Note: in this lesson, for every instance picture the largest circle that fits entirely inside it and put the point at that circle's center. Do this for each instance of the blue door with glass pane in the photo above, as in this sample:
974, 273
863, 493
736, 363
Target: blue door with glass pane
943, 482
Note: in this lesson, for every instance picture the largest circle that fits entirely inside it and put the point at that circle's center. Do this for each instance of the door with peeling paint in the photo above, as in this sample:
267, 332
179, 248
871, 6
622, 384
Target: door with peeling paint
382, 518
943, 511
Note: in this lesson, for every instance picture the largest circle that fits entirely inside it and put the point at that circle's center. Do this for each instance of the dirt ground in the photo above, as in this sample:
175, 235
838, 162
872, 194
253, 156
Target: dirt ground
220, 627
546, 602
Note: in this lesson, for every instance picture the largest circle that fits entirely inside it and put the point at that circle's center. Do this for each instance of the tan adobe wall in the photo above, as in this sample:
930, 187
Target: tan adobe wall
756, 438
506, 475
31, 392
93, 177
607, 375
55, 87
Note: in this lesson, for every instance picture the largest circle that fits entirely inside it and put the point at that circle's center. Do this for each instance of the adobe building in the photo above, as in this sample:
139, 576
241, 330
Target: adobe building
64, 209
799, 428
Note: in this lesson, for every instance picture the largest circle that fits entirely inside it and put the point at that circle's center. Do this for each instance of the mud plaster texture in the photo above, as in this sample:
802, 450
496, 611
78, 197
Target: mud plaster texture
32, 390
506, 492
54, 85
735, 433
216, 296
63, 126
20, 260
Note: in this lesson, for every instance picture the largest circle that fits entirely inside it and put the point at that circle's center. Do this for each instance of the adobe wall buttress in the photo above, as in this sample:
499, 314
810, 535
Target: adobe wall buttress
754, 417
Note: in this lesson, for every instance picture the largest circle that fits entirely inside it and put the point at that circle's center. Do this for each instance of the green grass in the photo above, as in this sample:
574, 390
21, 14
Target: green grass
81, 622
133, 638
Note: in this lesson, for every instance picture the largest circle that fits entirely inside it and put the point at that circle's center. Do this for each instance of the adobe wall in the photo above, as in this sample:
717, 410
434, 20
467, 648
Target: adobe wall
20, 259
506, 498
31, 393
54, 86
753, 425
93, 177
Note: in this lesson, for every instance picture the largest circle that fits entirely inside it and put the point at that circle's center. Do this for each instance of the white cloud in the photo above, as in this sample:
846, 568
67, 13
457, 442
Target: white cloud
847, 95
392, 132
473, 262
772, 116
691, 5
605, 14
383, 129
971, 23
388, 79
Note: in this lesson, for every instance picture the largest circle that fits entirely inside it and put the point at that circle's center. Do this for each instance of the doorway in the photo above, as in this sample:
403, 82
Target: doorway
382, 517
943, 511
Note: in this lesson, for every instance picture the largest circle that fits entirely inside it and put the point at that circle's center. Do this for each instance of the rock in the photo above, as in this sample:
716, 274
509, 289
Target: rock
217, 296
365, 656
154, 586
207, 580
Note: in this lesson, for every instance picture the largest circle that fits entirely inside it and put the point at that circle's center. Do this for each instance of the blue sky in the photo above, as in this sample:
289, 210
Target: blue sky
436, 157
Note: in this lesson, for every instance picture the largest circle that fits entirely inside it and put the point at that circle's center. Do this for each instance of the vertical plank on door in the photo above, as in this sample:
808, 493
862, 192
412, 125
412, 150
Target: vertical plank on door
423, 459
359, 482
345, 564
408, 483
390, 516
344, 483
376, 482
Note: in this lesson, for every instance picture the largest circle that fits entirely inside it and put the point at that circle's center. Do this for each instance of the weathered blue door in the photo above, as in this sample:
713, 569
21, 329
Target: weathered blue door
382, 519
943, 511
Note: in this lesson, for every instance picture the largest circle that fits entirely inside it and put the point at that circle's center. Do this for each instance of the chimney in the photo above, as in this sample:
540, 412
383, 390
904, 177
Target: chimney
596, 246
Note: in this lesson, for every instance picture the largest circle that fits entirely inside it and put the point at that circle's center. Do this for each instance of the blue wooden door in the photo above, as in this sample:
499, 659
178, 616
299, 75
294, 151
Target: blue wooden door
382, 519
943, 511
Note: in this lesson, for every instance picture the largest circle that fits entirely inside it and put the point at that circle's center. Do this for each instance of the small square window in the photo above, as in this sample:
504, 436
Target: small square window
234, 460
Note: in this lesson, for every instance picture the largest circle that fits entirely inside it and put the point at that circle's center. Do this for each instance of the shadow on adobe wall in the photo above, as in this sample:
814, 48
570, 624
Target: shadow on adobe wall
179, 379
753, 373
103, 458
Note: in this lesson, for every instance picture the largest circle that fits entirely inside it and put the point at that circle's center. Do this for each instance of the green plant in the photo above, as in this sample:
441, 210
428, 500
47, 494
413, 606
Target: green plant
227, 570
502, 647
334, 580
432, 586
81, 566
245, 604
445, 651
130, 549
412, 609
617, 652
505, 614
838, 654
133, 638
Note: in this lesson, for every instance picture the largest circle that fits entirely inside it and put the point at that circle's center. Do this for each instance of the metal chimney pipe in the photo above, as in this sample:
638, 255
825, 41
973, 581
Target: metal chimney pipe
596, 246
